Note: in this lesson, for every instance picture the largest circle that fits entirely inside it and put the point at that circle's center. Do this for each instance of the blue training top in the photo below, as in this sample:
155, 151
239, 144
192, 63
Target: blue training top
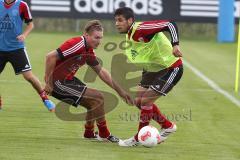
11, 26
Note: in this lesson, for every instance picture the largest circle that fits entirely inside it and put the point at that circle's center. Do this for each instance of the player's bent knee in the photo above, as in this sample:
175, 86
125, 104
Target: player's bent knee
92, 99
99, 98
146, 102
28, 76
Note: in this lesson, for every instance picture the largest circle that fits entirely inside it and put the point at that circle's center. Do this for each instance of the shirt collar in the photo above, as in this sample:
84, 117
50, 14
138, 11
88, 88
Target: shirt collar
130, 30
85, 43
9, 3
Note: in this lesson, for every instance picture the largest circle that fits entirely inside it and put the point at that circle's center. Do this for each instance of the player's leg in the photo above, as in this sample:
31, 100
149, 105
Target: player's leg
140, 91
150, 111
145, 98
144, 101
72, 92
93, 100
3, 61
157, 115
163, 83
75, 92
21, 64
33, 80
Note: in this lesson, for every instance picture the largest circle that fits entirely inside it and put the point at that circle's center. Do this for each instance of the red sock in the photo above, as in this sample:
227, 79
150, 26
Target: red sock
145, 117
103, 129
160, 118
43, 95
89, 131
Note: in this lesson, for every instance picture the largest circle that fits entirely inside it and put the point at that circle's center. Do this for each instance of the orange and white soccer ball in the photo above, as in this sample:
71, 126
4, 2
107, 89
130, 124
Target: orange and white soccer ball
149, 136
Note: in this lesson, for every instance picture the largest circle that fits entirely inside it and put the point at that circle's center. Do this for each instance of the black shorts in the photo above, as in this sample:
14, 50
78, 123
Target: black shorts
18, 58
163, 81
69, 91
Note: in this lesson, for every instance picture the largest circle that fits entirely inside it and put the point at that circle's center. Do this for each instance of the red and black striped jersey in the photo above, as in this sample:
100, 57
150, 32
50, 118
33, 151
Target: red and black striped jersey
73, 54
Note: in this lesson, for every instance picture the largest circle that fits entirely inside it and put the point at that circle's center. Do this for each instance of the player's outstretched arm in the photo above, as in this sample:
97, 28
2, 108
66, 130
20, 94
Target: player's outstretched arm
107, 78
50, 63
27, 31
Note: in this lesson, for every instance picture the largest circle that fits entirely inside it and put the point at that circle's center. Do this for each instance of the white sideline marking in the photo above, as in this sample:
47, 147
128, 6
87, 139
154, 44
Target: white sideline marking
213, 85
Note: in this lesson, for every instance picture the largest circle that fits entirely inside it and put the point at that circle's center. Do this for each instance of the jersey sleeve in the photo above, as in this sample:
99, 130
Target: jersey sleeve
92, 59
25, 12
150, 28
70, 48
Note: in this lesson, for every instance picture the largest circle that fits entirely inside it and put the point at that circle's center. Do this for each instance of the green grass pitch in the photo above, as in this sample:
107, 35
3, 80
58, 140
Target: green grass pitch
208, 123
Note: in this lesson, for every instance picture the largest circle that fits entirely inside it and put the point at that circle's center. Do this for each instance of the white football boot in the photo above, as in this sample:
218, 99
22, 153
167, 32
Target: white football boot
164, 133
110, 138
131, 142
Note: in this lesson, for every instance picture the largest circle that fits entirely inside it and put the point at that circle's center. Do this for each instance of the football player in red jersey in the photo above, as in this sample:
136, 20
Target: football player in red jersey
61, 66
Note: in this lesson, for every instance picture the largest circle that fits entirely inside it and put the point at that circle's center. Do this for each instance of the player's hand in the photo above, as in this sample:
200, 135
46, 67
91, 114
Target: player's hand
21, 38
48, 89
127, 98
176, 51
137, 102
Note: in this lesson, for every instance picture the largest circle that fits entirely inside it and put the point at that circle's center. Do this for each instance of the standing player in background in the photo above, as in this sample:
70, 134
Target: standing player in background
12, 37
162, 67
61, 67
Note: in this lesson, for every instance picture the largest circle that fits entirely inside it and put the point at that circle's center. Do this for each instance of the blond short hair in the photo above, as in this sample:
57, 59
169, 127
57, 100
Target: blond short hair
94, 25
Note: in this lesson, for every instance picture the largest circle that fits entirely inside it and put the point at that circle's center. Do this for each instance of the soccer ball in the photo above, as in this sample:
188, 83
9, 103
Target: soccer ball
149, 136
